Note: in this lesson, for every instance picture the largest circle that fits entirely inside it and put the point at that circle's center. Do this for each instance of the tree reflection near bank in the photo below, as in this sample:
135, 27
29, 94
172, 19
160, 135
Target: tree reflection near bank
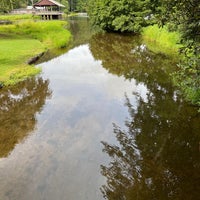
128, 56
18, 108
80, 29
157, 157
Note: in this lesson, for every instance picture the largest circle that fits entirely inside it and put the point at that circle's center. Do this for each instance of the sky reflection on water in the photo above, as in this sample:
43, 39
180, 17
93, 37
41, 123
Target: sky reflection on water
61, 158
102, 121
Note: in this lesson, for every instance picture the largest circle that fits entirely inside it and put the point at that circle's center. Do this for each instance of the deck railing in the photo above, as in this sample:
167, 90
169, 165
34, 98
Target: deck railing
47, 12
36, 12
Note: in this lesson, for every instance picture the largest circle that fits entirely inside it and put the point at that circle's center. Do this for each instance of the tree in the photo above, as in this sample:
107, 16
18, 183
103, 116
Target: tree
82, 5
185, 14
66, 4
119, 15
151, 159
8, 5
5, 6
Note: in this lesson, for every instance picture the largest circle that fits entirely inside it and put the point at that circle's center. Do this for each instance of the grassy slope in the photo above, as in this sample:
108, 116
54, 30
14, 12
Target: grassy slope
19, 42
160, 40
18, 17
14, 55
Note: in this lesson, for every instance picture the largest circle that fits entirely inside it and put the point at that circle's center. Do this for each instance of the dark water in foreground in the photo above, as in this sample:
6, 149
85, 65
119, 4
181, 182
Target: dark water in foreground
102, 121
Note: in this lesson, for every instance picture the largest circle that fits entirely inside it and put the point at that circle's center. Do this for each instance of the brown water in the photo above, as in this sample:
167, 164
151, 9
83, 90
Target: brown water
102, 121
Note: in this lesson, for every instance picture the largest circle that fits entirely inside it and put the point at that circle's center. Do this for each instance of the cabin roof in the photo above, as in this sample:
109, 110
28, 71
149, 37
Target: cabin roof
48, 3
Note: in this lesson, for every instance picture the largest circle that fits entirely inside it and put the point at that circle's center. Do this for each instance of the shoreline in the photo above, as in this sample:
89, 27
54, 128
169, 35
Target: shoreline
35, 58
24, 42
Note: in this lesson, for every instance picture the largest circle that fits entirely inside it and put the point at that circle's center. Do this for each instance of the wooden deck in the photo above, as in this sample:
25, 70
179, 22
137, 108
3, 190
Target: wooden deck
48, 15
45, 15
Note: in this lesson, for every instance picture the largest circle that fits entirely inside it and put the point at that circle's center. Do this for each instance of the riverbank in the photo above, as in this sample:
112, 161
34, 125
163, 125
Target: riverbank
160, 40
21, 41
186, 77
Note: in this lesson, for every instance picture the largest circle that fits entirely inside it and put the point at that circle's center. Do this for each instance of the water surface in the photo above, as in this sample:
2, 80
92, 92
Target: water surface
102, 121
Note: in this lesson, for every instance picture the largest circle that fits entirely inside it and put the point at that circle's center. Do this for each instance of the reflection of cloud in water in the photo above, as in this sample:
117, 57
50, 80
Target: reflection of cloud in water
79, 66
63, 157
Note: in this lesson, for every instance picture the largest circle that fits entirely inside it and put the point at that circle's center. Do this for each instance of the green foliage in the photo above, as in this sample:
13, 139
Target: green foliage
119, 15
8, 5
82, 5
185, 15
182, 32
160, 39
78, 5
21, 74
188, 78
66, 4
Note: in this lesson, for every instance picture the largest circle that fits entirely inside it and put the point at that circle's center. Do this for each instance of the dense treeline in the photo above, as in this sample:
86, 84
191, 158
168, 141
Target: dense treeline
180, 15
8, 5
184, 14
123, 15
78, 5
71, 5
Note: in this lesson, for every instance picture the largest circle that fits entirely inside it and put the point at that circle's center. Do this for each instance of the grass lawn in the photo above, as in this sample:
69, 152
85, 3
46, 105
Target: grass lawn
23, 40
18, 17
14, 54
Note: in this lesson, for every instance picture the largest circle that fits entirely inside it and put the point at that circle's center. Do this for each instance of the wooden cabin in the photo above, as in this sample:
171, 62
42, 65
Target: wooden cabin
48, 9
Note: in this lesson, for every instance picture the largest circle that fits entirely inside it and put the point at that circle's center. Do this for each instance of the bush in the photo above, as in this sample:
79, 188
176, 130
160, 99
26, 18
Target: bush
120, 16
187, 78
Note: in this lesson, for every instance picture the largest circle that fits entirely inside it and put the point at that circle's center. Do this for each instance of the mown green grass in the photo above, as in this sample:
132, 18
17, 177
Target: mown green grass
52, 34
160, 40
14, 56
23, 40
18, 17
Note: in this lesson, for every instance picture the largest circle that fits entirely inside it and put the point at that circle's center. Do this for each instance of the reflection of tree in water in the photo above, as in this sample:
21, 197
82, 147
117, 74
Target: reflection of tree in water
81, 32
80, 29
126, 55
158, 155
18, 107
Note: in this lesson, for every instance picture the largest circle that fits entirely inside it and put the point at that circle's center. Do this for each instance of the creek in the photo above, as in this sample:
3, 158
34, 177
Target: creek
102, 121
